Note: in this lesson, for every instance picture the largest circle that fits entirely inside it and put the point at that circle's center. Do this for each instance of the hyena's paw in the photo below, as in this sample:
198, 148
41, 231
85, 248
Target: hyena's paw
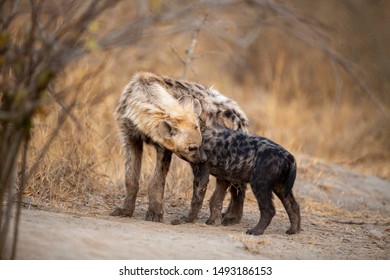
230, 220
121, 212
254, 231
293, 231
189, 219
214, 221
153, 216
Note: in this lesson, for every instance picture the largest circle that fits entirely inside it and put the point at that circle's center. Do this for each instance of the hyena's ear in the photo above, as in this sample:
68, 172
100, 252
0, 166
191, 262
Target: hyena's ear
166, 129
197, 107
190, 103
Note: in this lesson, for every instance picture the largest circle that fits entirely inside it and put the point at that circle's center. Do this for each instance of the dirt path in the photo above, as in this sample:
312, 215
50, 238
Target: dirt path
344, 216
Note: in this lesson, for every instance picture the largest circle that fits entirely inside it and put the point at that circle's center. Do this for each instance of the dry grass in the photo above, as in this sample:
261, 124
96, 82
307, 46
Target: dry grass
293, 97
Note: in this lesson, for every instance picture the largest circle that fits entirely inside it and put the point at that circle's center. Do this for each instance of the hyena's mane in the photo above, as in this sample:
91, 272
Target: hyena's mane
217, 109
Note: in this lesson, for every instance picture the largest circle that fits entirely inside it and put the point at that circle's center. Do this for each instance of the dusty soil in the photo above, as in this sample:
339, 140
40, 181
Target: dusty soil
344, 216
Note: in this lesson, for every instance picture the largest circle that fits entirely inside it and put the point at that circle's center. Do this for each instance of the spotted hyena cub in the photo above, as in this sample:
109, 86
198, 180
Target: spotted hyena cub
241, 158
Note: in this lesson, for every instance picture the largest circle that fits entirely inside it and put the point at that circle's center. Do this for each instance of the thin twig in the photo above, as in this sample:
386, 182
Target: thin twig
175, 52
191, 48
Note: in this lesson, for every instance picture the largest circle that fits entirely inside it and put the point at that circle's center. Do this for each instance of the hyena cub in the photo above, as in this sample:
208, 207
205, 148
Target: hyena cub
241, 158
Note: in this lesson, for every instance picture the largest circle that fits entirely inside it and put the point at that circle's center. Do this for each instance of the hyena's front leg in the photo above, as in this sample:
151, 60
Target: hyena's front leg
133, 152
234, 211
201, 179
155, 212
216, 202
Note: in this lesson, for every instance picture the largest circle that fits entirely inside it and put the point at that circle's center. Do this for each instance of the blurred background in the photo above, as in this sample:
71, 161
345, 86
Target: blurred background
311, 75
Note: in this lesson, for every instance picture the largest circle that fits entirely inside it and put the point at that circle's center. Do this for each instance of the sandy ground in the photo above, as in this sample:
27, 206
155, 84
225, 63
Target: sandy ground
344, 216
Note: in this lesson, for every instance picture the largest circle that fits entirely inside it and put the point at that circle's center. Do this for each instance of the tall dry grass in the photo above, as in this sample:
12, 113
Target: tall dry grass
84, 168
291, 93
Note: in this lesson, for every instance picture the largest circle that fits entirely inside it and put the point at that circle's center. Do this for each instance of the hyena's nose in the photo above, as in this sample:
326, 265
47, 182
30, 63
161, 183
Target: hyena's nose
202, 156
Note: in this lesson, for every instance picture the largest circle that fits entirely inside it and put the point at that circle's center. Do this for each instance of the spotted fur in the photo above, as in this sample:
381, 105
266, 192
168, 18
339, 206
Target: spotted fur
239, 158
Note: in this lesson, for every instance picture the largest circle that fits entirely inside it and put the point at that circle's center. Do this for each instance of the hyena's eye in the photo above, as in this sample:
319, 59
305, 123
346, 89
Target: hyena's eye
193, 149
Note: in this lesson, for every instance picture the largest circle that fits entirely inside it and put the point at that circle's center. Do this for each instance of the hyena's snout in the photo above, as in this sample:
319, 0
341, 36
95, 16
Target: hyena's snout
193, 154
196, 155
202, 155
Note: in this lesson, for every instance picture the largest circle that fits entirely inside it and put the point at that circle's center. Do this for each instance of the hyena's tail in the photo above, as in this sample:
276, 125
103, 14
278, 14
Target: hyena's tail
292, 173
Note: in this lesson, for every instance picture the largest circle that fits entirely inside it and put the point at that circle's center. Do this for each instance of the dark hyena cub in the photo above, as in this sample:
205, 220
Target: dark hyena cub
241, 158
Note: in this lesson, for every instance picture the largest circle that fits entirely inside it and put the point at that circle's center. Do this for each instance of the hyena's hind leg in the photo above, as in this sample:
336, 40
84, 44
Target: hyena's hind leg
292, 208
133, 145
262, 190
234, 211
155, 211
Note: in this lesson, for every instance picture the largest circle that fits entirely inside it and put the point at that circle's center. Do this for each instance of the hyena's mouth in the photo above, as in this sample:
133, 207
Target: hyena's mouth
196, 160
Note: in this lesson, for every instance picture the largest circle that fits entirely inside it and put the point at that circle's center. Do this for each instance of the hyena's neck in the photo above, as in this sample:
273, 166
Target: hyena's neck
215, 139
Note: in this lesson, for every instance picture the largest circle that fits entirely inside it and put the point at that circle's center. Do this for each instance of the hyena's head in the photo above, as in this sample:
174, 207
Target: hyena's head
181, 134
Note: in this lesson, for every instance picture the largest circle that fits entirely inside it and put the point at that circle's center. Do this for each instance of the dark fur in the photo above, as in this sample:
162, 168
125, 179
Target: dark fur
241, 158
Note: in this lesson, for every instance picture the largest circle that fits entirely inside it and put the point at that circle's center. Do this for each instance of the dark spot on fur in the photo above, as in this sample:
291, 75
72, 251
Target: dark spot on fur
168, 82
227, 113
180, 85
253, 142
241, 137
199, 87
224, 134
243, 144
266, 153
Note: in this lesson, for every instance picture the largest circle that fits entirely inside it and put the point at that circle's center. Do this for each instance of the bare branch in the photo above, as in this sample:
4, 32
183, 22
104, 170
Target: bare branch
176, 53
191, 48
6, 20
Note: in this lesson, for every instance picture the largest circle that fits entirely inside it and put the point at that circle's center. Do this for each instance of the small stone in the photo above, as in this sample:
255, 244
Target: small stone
375, 233
177, 222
